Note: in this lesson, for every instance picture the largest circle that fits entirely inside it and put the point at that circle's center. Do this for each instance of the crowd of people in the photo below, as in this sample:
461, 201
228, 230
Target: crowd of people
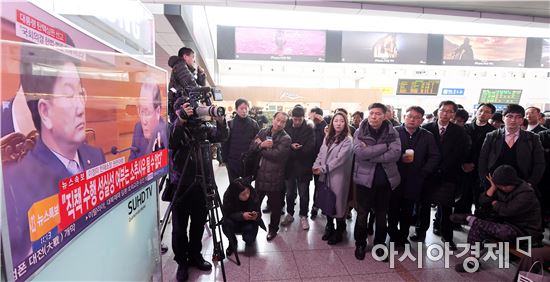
481, 174
392, 173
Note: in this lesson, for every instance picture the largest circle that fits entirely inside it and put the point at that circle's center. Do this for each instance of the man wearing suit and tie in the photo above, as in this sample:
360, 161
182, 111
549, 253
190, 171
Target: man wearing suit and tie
453, 144
150, 130
57, 106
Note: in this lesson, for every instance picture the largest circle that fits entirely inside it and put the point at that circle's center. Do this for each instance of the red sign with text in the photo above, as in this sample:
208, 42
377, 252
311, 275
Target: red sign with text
82, 192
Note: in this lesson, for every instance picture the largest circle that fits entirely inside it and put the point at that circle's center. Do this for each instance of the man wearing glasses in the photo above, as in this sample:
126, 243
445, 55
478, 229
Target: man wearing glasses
419, 159
513, 146
57, 105
453, 144
150, 131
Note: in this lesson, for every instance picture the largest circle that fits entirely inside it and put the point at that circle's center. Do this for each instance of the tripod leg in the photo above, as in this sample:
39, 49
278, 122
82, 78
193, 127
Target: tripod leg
237, 257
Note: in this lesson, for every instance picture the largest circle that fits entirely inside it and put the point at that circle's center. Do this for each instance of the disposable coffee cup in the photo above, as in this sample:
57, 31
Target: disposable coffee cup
410, 153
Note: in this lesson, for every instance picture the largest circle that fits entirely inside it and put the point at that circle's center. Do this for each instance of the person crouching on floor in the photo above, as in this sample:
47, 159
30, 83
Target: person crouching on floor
509, 209
242, 215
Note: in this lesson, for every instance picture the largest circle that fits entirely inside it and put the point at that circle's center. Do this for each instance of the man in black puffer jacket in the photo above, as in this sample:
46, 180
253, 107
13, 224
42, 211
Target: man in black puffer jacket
242, 130
184, 75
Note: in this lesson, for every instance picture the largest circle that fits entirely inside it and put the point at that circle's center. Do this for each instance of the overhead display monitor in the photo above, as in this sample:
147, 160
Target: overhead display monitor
545, 57
484, 51
500, 96
253, 43
418, 87
384, 48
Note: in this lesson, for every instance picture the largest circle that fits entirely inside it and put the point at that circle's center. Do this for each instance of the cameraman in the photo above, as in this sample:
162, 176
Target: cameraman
189, 205
184, 75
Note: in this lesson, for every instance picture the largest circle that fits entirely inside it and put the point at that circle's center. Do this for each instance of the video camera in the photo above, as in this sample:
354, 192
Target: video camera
200, 99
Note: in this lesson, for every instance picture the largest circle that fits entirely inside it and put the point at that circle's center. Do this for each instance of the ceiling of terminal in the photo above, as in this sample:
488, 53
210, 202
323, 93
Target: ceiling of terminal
521, 8
515, 13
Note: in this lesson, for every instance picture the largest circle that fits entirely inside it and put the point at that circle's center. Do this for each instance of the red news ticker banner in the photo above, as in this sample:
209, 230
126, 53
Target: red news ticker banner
41, 27
83, 192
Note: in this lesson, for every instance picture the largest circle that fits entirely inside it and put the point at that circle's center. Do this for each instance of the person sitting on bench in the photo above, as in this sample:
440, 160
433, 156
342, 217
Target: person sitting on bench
509, 209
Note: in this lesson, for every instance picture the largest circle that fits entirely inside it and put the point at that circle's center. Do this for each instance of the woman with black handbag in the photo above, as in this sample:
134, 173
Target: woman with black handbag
333, 165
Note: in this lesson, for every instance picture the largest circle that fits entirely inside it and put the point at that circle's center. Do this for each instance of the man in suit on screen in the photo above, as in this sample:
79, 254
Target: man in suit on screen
57, 105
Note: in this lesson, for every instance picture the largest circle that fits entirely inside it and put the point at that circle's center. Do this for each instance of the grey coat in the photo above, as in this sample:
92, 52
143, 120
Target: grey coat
335, 163
271, 174
369, 152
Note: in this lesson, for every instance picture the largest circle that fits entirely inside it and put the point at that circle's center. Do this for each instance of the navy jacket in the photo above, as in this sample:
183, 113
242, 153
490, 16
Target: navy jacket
34, 178
426, 159
453, 147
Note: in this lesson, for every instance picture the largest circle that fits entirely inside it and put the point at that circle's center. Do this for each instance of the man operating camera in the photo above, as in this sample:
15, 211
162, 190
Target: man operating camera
187, 127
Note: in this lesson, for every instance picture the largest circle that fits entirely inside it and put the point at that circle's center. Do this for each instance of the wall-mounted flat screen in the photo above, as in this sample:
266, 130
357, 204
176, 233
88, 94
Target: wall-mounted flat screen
252, 43
385, 48
484, 51
545, 57
500, 96
418, 87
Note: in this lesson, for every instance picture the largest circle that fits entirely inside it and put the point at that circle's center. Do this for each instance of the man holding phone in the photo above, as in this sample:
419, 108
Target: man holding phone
298, 169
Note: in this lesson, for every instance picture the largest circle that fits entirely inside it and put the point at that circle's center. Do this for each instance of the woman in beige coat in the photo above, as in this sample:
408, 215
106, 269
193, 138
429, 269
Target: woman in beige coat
333, 165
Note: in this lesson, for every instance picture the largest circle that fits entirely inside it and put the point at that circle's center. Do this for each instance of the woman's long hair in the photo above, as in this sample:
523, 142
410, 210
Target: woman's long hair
331, 135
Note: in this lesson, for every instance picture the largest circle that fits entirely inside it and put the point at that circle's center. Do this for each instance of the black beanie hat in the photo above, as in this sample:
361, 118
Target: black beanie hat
505, 175
298, 111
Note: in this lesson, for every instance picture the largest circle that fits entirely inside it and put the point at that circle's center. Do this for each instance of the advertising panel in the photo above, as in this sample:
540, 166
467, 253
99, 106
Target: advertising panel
385, 48
484, 51
82, 130
253, 43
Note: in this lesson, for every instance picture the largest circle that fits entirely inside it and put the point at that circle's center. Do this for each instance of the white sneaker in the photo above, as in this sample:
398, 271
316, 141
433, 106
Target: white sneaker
287, 219
304, 222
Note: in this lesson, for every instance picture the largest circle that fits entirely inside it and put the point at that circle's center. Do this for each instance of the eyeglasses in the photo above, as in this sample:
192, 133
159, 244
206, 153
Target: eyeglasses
146, 112
447, 111
413, 117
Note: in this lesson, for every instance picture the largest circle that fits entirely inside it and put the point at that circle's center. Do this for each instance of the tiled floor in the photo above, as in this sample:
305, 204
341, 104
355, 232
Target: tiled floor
299, 255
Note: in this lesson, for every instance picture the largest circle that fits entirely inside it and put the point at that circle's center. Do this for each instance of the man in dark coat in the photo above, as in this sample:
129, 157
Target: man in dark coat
316, 115
470, 184
242, 130
273, 144
453, 144
512, 146
414, 167
533, 117
298, 168
545, 182
189, 209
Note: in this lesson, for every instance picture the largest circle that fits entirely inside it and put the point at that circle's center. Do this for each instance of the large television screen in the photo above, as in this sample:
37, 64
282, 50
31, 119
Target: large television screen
484, 51
385, 48
253, 43
72, 110
545, 57
500, 96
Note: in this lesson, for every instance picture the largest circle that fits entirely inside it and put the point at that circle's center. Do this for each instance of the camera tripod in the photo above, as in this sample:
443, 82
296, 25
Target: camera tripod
199, 152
